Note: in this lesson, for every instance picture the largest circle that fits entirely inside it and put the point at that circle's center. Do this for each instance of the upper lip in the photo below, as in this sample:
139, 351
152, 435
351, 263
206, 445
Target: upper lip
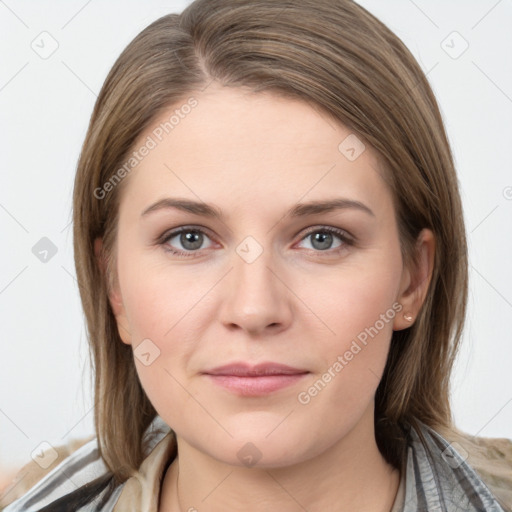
242, 369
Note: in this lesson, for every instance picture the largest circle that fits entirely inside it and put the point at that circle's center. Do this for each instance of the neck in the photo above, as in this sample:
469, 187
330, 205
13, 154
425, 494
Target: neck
352, 473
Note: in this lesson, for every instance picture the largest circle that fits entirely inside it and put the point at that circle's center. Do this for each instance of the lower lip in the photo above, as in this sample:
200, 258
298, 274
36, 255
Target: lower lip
255, 386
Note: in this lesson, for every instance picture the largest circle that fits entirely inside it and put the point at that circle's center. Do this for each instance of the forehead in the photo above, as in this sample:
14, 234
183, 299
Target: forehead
236, 147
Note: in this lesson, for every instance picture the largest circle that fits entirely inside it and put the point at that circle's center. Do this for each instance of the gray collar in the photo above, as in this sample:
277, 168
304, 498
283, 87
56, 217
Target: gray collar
438, 479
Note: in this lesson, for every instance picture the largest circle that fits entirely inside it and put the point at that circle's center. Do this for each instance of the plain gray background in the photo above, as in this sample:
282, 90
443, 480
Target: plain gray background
45, 106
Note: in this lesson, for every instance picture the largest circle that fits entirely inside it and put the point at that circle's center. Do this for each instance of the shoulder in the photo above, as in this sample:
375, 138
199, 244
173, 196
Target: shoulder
491, 458
488, 459
52, 474
77, 480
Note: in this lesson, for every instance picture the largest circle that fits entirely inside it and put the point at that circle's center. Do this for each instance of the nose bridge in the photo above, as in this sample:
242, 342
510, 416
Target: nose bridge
256, 299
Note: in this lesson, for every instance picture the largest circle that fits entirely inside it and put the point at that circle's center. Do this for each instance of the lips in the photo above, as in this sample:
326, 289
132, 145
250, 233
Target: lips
244, 379
242, 369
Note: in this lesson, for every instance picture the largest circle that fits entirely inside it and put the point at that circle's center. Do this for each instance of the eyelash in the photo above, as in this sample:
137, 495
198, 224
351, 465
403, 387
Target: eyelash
341, 234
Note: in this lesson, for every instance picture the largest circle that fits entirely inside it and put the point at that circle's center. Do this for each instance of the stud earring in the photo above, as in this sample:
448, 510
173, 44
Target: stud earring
408, 317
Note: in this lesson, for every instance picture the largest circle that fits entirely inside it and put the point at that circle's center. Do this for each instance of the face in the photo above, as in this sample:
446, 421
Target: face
264, 280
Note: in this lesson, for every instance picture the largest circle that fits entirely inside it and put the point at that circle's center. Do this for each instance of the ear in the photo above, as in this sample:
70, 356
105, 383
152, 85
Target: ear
415, 281
114, 296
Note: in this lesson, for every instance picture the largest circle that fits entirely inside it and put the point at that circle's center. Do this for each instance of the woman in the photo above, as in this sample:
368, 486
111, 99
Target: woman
271, 255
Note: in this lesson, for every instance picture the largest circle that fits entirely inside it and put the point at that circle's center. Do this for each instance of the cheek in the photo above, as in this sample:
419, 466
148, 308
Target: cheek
343, 390
358, 307
156, 297
162, 308
353, 299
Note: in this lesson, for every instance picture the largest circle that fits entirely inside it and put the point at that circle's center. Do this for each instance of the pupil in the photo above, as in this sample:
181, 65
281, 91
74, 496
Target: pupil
322, 238
191, 237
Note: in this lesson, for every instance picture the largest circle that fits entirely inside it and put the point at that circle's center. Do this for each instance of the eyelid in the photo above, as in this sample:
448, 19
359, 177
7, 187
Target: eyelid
330, 229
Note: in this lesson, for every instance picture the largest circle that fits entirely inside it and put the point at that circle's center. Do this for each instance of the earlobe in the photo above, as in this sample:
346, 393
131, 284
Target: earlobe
114, 295
416, 281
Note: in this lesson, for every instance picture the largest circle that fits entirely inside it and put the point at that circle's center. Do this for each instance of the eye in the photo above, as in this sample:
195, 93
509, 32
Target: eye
322, 239
190, 239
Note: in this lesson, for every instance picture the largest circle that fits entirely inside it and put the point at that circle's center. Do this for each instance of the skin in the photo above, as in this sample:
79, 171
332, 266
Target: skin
255, 156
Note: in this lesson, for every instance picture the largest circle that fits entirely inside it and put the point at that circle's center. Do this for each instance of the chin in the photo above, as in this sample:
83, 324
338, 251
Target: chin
251, 447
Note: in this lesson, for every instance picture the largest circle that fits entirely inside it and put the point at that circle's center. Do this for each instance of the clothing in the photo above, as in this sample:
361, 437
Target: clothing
436, 478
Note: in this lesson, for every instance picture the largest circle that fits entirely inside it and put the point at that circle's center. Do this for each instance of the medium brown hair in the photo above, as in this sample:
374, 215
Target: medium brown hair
339, 58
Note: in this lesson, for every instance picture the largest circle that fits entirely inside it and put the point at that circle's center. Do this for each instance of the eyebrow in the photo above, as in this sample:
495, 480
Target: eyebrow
299, 210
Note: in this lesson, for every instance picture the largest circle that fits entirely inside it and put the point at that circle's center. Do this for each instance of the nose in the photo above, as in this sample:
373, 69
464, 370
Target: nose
256, 298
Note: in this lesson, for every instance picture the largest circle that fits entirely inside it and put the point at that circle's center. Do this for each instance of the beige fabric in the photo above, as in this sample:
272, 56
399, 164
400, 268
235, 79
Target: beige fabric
142, 491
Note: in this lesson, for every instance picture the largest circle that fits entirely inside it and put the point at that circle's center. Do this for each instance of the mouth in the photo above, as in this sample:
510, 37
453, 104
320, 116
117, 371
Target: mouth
255, 380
